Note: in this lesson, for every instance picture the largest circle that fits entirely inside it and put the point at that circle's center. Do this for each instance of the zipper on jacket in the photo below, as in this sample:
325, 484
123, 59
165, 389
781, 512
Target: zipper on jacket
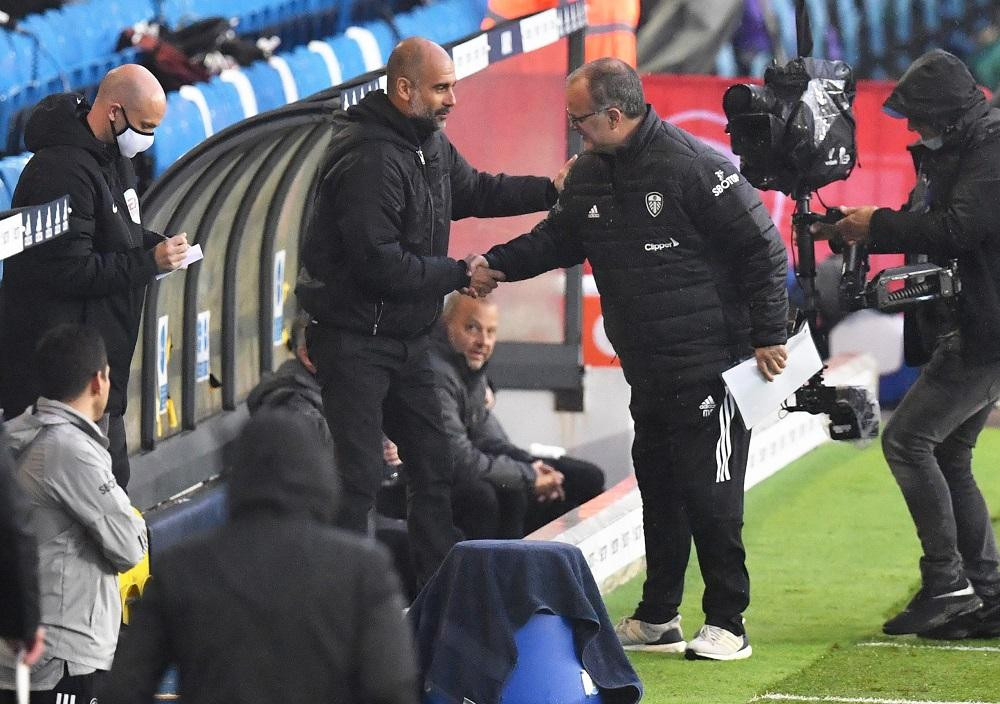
379, 307
430, 196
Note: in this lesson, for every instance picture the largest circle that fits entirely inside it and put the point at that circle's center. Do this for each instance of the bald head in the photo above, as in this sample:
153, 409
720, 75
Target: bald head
472, 325
409, 57
421, 81
129, 96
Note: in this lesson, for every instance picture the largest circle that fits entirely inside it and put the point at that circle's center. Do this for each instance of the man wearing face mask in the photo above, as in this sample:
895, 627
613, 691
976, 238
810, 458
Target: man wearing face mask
375, 270
952, 213
95, 274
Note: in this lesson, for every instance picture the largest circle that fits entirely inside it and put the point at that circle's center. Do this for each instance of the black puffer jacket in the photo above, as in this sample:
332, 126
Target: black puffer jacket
375, 254
478, 442
96, 274
690, 268
954, 211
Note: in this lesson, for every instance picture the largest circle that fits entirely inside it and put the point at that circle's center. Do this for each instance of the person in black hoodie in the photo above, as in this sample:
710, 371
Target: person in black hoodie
375, 269
691, 273
96, 273
277, 605
953, 213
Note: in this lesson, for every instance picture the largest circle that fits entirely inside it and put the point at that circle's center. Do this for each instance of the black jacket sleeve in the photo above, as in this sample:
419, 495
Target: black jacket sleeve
18, 556
70, 264
474, 457
150, 238
550, 245
971, 216
373, 229
483, 195
734, 218
490, 437
143, 653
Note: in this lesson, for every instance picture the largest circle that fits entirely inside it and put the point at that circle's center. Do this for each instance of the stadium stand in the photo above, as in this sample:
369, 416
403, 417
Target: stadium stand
289, 76
72, 47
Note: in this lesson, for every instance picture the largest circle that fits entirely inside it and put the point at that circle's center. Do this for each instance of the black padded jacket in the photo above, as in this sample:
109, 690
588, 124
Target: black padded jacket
690, 268
375, 253
95, 274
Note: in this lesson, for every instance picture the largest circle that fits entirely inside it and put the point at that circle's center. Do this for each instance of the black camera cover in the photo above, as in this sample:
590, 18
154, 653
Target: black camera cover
795, 133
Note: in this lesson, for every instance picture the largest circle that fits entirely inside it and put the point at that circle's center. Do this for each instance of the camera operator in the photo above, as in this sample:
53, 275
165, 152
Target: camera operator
952, 213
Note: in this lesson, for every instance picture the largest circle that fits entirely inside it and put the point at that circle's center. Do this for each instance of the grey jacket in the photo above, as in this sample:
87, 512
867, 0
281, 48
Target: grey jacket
478, 443
86, 529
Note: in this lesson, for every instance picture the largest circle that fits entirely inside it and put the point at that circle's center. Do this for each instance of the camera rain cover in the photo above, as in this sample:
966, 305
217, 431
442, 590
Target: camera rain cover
796, 132
819, 133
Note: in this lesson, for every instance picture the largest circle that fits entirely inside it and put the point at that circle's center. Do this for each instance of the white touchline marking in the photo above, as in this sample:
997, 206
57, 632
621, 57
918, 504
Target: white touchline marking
777, 696
920, 646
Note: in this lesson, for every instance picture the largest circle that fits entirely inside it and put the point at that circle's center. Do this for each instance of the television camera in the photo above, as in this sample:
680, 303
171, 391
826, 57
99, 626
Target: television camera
795, 134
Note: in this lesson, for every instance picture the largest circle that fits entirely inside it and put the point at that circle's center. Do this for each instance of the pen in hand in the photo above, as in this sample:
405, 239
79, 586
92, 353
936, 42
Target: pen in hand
171, 252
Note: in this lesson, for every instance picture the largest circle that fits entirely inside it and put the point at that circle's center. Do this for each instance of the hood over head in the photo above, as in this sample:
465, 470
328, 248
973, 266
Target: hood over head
281, 466
937, 90
60, 120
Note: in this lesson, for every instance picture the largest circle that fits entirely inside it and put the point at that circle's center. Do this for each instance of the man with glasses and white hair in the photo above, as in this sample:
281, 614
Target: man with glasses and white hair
691, 273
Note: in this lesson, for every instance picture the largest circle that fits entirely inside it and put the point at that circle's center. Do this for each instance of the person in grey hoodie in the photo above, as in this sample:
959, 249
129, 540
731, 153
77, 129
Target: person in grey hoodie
86, 530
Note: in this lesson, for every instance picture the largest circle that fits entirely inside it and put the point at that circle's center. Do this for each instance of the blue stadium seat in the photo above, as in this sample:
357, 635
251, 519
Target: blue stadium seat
443, 21
349, 56
10, 170
849, 20
548, 668
168, 525
223, 103
182, 128
310, 71
877, 46
384, 36
266, 86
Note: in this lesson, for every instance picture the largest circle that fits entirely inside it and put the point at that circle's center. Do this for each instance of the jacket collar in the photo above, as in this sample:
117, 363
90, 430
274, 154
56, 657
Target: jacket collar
641, 137
52, 412
376, 107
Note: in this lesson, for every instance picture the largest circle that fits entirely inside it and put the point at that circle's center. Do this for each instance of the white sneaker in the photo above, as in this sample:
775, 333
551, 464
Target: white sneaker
716, 643
667, 637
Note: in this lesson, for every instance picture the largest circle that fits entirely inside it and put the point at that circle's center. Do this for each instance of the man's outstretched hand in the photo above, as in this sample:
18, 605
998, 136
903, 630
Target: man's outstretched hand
482, 279
560, 178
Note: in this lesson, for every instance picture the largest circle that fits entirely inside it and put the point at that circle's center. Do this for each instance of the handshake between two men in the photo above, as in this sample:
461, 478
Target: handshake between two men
482, 279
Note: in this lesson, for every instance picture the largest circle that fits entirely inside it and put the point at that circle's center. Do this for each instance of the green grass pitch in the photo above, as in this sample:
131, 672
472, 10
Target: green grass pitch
832, 553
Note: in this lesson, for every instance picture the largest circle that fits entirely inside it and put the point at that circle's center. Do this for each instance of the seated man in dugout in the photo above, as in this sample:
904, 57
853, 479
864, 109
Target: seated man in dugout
500, 490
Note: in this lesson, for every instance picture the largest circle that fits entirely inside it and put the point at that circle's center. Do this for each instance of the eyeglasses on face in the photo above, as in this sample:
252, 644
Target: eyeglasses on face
576, 120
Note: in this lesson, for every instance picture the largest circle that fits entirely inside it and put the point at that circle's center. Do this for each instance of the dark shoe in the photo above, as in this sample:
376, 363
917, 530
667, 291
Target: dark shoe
982, 623
667, 637
926, 612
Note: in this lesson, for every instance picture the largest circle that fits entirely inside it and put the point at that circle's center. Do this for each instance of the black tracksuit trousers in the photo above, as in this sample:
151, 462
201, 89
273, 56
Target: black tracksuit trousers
690, 456
374, 382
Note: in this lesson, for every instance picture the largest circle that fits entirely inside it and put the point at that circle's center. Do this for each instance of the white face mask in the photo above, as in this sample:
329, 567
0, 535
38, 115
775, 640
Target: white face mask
130, 140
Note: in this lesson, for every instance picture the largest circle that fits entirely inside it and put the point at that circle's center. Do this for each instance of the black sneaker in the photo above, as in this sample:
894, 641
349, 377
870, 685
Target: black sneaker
926, 612
981, 623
